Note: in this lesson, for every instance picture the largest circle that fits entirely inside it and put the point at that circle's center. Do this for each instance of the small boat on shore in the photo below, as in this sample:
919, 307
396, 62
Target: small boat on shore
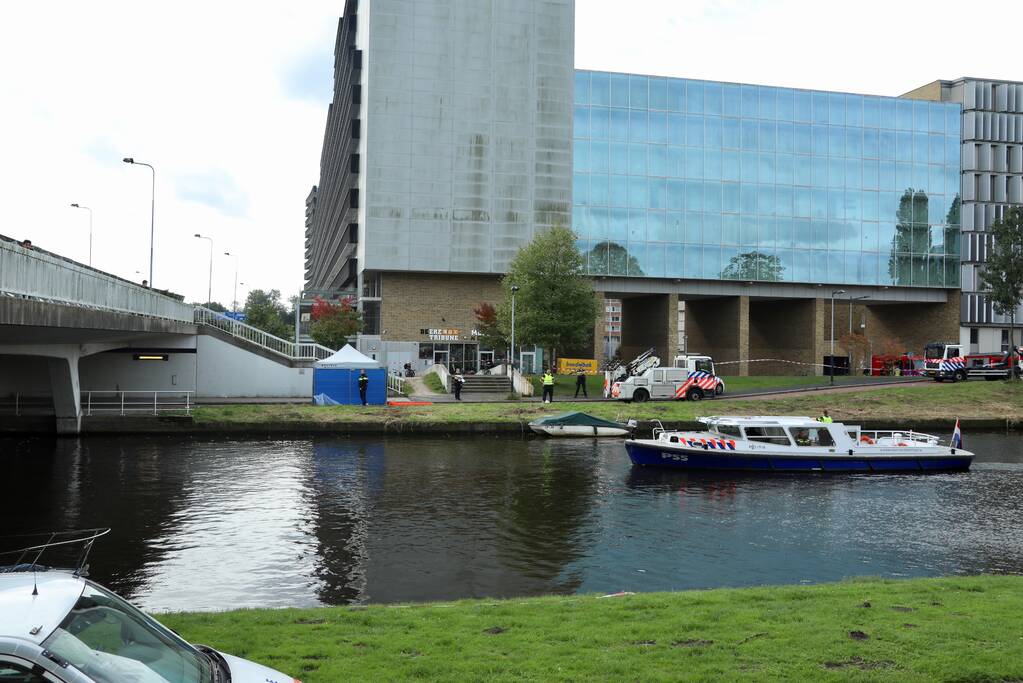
797, 444
578, 424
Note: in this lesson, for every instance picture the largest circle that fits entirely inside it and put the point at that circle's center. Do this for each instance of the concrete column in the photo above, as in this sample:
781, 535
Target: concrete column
67, 398
650, 321
598, 328
720, 327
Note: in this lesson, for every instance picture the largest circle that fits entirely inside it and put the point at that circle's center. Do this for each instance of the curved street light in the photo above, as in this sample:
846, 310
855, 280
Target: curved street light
209, 287
152, 211
234, 302
79, 206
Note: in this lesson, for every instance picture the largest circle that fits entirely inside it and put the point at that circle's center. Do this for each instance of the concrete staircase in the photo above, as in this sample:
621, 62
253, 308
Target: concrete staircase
486, 384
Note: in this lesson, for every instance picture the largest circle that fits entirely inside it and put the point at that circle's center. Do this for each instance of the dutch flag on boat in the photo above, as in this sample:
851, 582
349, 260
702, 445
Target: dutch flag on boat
957, 436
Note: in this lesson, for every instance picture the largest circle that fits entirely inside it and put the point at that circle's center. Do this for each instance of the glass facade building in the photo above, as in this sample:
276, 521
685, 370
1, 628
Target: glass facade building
688, 179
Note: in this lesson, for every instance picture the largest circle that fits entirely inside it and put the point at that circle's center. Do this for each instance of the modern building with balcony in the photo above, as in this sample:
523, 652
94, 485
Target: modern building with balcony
992, 182
766, 211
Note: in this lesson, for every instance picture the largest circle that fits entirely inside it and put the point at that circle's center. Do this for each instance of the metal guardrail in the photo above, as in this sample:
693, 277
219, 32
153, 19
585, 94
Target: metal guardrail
22, 403
124, 402
254, 335
40, 275
396, 384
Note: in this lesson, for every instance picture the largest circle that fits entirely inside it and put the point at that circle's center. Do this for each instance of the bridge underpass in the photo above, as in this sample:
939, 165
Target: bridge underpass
66, 328
740, 322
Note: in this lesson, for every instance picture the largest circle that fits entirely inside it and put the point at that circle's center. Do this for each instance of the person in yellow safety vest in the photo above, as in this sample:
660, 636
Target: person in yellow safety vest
548, 386
825, 418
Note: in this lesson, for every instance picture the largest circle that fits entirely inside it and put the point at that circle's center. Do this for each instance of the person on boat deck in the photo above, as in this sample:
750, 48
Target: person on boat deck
802, 437
548, 386
825, 418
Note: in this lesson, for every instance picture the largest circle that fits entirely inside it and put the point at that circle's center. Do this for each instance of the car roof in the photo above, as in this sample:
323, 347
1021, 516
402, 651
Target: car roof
21, 612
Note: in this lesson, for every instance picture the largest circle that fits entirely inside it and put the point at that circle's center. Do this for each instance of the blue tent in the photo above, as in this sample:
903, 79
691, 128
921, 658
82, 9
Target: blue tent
336, 379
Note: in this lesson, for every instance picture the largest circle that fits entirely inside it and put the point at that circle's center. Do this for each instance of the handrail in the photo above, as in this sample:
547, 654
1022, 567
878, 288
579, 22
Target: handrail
265, 340
396, 383
128, 401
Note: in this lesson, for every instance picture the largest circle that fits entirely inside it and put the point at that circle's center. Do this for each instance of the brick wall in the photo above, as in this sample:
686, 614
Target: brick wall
786, 330
719, 328
914, 325
412, 302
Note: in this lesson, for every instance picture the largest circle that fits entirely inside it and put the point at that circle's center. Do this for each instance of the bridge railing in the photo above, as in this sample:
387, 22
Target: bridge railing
125, 402
40, 275
288, 349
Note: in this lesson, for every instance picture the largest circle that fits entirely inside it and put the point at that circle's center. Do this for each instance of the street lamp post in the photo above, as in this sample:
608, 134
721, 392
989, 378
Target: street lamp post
234, 302
514, 289
851, 300
79, 206
832, 364
152, 212
209, 289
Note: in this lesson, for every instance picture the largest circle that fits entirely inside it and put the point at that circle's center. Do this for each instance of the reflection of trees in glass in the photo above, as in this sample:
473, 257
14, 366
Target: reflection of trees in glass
754, 265
952, 223
619, 261
912, 235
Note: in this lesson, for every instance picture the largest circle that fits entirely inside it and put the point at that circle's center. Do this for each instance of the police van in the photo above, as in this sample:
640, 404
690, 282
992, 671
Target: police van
692, 378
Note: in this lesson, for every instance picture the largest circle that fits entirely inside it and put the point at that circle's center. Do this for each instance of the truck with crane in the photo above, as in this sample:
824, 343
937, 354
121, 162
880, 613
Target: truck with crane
946, 361
690, 377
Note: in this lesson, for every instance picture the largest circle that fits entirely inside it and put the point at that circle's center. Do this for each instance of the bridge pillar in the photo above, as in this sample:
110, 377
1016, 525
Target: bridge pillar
67, 396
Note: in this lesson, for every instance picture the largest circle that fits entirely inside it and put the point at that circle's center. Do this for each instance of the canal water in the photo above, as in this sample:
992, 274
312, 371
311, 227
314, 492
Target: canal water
209, 524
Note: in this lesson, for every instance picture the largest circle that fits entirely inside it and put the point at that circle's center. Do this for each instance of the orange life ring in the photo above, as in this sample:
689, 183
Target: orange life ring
901, 444
866, 439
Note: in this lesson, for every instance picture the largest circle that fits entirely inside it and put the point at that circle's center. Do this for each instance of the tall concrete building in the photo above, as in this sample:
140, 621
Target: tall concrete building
992, 182
460, 128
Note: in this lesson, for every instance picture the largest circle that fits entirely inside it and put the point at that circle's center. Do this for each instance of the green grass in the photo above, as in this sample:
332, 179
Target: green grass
432, 381
920, 401
564, 385
951, 629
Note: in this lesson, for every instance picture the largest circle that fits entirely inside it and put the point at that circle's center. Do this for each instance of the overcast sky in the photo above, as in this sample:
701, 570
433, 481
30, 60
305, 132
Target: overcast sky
228, 101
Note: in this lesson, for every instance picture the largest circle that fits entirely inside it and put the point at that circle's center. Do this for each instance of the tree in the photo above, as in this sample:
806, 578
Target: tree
334, 324
265, 311
912, 236
488, 327
555, 306
753, 265
611, 258
1003, 272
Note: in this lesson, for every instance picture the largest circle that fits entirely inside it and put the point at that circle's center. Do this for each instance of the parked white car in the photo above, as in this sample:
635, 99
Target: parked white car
58, 627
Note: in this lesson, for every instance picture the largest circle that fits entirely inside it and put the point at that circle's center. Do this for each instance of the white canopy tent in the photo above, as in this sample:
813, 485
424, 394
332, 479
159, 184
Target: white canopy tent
348, 358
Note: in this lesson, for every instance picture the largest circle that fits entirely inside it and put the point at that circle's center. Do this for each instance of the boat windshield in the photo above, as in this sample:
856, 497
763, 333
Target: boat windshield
811, 436
728, 430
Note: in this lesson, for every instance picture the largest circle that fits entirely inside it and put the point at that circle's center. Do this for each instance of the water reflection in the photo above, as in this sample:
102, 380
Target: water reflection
202, 524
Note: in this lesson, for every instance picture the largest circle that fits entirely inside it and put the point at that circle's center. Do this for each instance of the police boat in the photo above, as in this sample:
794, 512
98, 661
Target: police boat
797, 444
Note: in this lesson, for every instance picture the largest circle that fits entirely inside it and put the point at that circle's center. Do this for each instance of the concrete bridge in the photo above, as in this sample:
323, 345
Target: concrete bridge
66, 328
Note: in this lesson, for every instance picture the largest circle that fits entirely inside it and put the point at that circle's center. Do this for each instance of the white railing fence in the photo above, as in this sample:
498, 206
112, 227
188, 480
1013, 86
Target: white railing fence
22, 403
39, 275
396, 384
254, 335
125, 402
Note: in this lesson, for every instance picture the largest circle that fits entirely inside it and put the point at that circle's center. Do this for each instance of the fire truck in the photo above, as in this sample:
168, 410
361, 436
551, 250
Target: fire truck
691, 377
945, 360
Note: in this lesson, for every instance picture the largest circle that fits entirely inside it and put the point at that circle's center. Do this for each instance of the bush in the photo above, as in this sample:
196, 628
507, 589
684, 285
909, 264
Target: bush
433, 383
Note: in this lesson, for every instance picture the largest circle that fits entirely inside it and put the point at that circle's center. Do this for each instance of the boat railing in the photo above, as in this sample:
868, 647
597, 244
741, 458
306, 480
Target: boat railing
658, 430
897, 435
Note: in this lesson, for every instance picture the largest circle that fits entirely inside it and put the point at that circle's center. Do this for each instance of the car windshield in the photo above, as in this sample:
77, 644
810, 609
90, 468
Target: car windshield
934, 351
705, 365
112, 642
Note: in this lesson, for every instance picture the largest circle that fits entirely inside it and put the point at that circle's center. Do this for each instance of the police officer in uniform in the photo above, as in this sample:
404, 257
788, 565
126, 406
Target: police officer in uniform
548, 386
363, 384
825, 418
580, 383
457, 381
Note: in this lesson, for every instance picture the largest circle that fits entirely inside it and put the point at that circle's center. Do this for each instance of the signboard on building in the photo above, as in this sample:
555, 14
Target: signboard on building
441, 334
570, 366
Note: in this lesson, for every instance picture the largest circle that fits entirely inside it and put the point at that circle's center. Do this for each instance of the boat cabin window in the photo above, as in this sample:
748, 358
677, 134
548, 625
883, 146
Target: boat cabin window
775, 435
812, 436
658, 375
854, 434
728, 430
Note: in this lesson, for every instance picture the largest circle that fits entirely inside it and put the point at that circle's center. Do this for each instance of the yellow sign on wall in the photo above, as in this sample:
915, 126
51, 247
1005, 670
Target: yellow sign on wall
571, 366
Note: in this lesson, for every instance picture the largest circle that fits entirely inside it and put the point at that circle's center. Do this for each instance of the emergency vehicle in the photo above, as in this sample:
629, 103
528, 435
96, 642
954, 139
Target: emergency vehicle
690, 377
945, 360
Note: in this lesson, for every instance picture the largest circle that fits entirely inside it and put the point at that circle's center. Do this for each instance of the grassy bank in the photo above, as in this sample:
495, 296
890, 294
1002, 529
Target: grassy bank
954, 629
564, 385
902, 405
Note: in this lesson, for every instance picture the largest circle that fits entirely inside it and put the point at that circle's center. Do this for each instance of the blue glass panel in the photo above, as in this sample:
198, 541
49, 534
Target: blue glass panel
657, 127
836, 141
820, 107
637, 158
676, 162
600, 88
852, 207
748, 133
748, 108
712, 132
658, 93
599, 190
820, 140
853, 110
730, 197
694, 97
638, 92
694, 195
853, 173
801, 201
765, 167
730, 100
600, 121
747, 231
581, 188
674, 258
802, 170
694, 131
784, 111
785, 173
729, 255
620, 124
748, 198
903, 146
658, 193
936, 149
869, 236
801, 107
784, 235
767, 102
836, 203
937, 240
711, 201
674, 227
953, 151
952, 182
819, 171
581, 122
766, 134
676, 95
952, 120
581, 155
596, 263
748, 167
920, 176
854, 142
619, 90
919, 271
818, 266
676, 130
637, 126
694, 162
712, 99
618, 226
887, 144
869, 200
619, 190
920, 115
599, 157
935, 179
888, 116
818, 203
871, 146
657, 164
920, 148
619, 157
638, 261
836, 267
952, 272
582, 87
768, 231
637, 224
936, 117
654, 262
765, 200
836, 109
730, 228
676, 195
801, 266
886, 180
871, 112
867, 269
904, 114
712, 164
730, 165
785, 259
802, 138
836, 172
730, 133
785, 140
870, 174
599, 229
711, 262
693, 228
